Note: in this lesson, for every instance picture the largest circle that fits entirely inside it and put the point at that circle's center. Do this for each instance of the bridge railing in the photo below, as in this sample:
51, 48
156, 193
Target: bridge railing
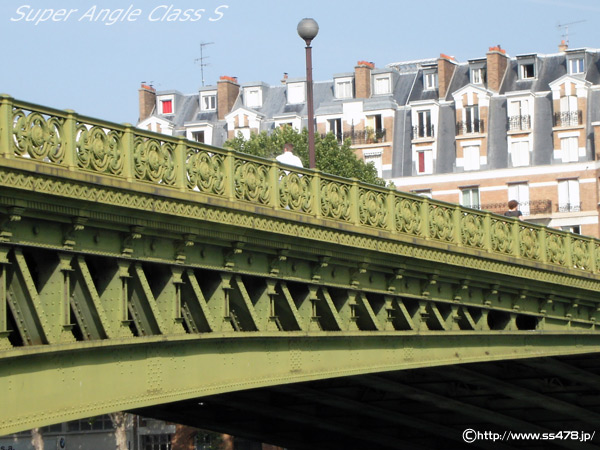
65, 138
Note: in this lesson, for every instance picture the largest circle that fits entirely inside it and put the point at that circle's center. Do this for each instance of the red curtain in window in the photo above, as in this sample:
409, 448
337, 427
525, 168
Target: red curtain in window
167, 107
421, 162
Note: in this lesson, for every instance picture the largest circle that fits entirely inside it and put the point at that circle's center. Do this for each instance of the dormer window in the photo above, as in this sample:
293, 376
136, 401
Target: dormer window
575, 65
343, 87
527, 69
208, 101
430, 80
382, 84
252, 97
296, 93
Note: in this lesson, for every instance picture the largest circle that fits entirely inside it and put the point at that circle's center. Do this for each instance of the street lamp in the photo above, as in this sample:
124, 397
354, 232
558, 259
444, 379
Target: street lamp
307, 30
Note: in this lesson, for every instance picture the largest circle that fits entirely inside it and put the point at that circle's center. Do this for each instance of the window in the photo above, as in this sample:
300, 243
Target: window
335, 127
94, 423
572, 229
520, 193
519, 153
568, 196
382, 85
569, 114
575, 65
424, 161
156, 442
375, 125
518, 115
343, 88
374, 156
527, 71
198, 136
424, 127
568, 104
423, 193
208, 101
471, 157
430, 80
472, 122
253, 97
570, 149
477, 75
469, 197
296, 93
167, 106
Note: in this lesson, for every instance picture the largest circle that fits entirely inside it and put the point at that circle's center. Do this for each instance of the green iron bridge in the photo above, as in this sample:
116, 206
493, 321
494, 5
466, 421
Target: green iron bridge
148, 273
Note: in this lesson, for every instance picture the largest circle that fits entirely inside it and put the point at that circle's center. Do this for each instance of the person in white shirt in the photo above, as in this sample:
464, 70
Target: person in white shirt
288, 157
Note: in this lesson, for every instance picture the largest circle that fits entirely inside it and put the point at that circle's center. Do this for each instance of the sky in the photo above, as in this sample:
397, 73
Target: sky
92, 55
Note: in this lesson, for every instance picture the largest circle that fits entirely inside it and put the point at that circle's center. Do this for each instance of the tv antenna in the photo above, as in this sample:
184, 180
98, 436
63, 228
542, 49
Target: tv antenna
565, 28
203, 58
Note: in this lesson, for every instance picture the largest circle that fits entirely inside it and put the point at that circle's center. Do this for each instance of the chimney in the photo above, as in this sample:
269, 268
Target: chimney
563, 46
285, 78
497, 62
446, 66
227, 93
362, 78
147, 99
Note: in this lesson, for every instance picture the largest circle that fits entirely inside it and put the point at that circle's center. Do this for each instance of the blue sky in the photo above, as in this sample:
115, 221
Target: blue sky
78, 61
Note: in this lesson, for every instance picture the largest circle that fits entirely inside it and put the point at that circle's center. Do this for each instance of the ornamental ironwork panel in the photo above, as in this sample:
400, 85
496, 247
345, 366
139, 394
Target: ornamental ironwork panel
501, 235
38, 136
407, 214
251, 181
99, 149
335, 200
205, 171
441, 225
372, 208
295, 191
154, 160
472, 229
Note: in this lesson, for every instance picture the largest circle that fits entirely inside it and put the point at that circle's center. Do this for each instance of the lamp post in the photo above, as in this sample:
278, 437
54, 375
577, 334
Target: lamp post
307, 30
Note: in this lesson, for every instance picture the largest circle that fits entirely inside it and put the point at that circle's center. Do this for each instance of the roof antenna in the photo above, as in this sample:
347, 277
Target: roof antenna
565, 28
202, 58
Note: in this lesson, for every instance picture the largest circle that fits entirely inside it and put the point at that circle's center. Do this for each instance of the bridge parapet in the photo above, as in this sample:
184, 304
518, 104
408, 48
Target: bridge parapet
66, 139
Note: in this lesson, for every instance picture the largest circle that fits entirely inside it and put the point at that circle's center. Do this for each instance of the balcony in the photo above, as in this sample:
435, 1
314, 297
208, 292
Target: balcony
532, 207
569, 207
519, 123
368, 136
420, 132
470, 127
568, 119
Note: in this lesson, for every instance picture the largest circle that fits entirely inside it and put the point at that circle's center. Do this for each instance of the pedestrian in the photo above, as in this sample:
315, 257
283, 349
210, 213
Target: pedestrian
288, 157
513, 211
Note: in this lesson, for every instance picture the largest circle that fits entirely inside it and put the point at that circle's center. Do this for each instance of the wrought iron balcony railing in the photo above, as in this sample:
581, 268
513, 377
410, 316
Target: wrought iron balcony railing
568, 118
368, 136
533, 206
519, 123
569, 207
420, 131
468, 127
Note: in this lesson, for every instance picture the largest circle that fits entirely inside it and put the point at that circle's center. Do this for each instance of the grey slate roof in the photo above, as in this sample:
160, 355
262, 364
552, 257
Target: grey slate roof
407, 87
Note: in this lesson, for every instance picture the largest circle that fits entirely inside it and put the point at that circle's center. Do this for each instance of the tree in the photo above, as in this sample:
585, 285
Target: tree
330, 156
37, 440
120, 420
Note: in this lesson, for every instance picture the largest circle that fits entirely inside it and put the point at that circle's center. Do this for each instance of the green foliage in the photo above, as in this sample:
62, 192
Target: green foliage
330, 156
